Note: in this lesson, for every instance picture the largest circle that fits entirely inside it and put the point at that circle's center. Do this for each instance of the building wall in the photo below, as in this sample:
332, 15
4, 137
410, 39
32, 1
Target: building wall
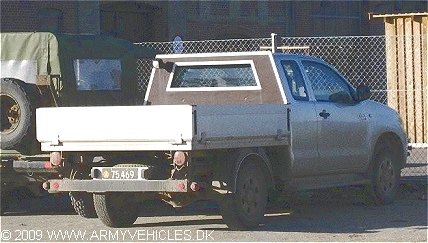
302, 19
233, 19
200, 20
254, 19
135, 21
32, 15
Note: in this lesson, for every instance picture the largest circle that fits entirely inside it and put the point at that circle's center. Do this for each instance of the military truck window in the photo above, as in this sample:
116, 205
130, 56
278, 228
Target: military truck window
98, 74
325, 82
214, 76
295, 80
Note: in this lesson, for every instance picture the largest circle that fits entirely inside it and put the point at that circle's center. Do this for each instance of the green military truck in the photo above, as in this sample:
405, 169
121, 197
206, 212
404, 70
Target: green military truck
40, 69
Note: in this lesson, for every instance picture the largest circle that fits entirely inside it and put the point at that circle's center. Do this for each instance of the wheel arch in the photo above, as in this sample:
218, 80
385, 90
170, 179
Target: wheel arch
29, 88
257, 156
393, 140
20, 81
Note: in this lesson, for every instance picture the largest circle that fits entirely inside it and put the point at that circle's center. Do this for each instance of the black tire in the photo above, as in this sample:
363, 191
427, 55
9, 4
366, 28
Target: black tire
4, 202
386, 176
116, 209
17, 114
245, 209
82, 202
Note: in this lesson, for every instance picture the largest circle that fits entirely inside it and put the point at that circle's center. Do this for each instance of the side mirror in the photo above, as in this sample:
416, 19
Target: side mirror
363, 92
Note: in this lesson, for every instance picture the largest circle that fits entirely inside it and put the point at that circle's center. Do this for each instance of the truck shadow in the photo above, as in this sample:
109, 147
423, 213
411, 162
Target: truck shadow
342, 216
322, 217
341, 210
24, 205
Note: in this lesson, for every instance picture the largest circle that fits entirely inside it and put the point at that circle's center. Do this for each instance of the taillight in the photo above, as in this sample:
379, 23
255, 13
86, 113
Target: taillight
179, 158
56, 158
47, 165
181, 186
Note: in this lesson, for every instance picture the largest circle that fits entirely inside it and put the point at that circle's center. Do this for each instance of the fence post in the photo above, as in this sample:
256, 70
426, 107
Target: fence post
274, 44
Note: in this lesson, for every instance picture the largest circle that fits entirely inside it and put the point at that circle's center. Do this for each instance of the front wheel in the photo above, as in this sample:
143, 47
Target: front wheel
385, 176
116, 209
245, 208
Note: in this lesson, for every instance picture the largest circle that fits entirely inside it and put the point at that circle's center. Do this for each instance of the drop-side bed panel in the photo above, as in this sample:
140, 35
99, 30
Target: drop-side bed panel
165, 127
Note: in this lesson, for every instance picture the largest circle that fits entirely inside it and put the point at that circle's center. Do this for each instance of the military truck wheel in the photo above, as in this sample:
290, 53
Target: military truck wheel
245, 208
82, 202
4, 202
115, 209
385, 176
17, 114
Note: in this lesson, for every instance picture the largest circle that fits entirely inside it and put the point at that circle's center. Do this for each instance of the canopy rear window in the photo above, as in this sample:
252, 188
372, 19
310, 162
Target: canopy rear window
97, 74
214, 76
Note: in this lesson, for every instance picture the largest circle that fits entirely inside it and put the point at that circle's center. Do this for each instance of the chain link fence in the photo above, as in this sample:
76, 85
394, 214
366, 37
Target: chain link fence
361, 59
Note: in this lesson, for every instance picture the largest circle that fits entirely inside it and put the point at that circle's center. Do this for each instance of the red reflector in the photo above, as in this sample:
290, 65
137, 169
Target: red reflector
181, 186
48, 165
55, 185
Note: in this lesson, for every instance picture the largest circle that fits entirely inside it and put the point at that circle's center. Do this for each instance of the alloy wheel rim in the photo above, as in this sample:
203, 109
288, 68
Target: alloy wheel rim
249, 196
386, 175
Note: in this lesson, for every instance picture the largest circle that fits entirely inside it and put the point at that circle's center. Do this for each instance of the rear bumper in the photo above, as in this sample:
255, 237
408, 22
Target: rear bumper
100, 186
23, 166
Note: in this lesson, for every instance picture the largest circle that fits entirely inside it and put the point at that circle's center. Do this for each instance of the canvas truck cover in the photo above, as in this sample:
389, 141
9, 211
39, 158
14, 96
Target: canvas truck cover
43, 53
39, 48
75, 49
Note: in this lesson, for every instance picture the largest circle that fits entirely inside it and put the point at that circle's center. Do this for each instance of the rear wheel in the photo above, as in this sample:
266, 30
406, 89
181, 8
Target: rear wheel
116, 209
82, 202
245, 208
17, 114
385, 176
4, 202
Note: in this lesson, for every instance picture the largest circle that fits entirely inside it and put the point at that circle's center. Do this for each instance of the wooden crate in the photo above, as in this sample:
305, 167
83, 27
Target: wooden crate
406, 62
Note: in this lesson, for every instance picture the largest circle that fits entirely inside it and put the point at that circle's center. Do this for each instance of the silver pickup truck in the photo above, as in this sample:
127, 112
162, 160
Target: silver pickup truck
238, 128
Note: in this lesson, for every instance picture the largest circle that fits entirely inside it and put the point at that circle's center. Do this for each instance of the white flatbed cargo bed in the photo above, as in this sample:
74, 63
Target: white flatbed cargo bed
162, 127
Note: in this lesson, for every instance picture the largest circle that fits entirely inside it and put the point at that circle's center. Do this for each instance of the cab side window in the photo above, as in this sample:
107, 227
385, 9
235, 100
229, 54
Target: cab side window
295, 80
326, 84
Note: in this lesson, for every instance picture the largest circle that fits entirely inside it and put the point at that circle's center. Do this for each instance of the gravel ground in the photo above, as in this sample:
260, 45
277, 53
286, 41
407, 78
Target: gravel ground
339, 214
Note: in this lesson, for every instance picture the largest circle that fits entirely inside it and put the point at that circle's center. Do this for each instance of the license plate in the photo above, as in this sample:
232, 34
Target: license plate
120, 173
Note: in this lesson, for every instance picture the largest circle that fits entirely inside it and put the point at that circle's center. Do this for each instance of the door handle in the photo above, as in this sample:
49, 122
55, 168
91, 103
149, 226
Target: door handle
324, 114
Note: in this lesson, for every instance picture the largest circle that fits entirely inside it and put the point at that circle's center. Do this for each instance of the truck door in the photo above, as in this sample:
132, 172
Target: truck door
342, 125
303, 119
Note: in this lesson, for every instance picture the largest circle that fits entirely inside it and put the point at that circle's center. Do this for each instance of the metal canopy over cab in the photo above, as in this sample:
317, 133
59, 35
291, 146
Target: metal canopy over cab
215, 78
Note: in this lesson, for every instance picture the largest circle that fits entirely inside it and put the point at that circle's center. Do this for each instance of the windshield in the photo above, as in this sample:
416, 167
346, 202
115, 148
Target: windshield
97, 74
